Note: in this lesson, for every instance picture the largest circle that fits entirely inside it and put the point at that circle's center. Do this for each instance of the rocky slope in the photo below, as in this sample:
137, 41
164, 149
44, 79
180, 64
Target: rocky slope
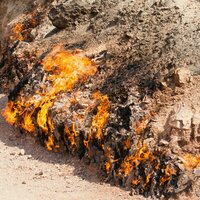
114, 82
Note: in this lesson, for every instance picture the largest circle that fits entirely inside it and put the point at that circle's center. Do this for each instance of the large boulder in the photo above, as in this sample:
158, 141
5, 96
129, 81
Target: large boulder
67, 14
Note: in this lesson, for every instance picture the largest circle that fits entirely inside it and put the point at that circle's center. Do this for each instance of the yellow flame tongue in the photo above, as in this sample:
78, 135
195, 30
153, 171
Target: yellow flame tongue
10, 113
102, 115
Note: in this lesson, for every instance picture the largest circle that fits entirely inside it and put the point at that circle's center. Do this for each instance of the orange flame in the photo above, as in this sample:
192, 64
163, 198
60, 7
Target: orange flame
10, 113
109, 159
142, 123
135, 182
143, 154
43, 116
100, 119
67, 69
28, 123
132, 161
50, 143
71, 135
107, 166
16, 31
169, 171
63, 70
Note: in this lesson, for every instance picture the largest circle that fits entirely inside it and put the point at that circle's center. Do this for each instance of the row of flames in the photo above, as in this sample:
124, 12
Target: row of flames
63, 71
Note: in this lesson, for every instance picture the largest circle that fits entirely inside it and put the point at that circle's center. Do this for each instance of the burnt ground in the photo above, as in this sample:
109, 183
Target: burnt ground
28, 171
137, 47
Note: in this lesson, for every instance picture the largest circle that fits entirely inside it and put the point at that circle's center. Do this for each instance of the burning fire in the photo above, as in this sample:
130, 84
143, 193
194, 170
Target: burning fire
10, 113
99, 120
71, 135
169, 171
64, 69
142, 123
102, 115
143, 157
22, 30
130, 162
16, 32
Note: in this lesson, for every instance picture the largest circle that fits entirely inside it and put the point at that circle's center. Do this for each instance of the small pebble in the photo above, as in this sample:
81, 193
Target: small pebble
22, 152
29, 157
40, 173
197, 171
198, 193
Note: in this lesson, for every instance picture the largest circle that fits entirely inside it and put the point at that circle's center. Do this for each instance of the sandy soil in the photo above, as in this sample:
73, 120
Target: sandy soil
28, 171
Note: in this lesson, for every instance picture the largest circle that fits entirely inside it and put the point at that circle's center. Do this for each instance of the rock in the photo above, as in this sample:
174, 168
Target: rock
182, 76
40, 173
182, 118
61, 174
197, 171
12, 153
163, 143
67, 14
183, 182
198, 193
22, 152
196, 119
150, 142
23, 182
29, 157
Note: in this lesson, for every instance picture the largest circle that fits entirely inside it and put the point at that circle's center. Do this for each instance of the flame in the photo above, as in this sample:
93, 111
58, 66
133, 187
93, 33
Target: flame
22, 30
28, 123
148, 178
132, 161
191, 161
135, 182
42, 116
127, 143
109, 159
107, 167
67, 69
63, 70
144, 156
51, 125
10, 113
50, 143
16, 32
142, 123
169, 171
71, 135
100, 119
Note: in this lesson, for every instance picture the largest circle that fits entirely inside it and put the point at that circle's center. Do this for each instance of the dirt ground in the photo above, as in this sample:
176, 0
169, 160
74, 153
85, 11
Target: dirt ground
28, 171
